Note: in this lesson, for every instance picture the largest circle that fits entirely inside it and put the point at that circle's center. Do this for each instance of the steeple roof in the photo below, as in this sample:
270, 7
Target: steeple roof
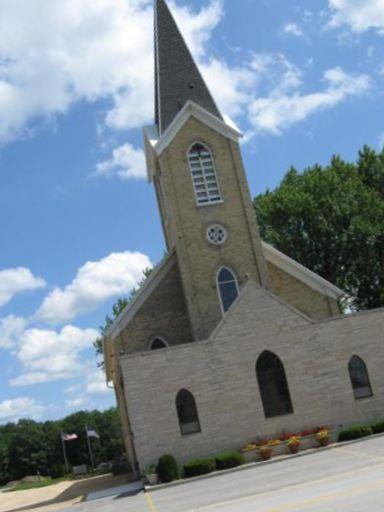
177, 77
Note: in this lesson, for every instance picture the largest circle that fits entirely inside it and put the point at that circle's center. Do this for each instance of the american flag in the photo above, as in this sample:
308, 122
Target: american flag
68, 437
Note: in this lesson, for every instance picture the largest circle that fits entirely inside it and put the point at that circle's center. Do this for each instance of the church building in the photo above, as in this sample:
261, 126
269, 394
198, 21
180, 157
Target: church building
228, 339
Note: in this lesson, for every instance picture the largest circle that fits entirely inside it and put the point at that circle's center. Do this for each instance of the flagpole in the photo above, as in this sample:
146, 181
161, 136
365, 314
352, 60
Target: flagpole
89, 447
64, 453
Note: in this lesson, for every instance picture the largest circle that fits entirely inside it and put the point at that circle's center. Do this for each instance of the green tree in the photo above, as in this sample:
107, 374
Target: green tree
117, 308
27, 450
331, 220
30, 446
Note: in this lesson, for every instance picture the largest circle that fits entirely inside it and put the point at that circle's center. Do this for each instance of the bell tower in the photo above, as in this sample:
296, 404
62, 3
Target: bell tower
194, 160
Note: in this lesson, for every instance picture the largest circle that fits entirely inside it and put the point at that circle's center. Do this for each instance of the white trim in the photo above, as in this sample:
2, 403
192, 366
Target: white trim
209, 202
224, 267
301, 273
142, 295
166, 344
215, 243
193, 109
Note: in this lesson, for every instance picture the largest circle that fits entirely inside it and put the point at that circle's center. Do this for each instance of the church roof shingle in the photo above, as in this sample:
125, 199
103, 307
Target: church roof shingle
177, 77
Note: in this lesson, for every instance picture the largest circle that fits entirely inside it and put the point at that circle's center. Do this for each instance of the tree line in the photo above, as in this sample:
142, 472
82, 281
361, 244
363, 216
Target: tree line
30, 447
331, 220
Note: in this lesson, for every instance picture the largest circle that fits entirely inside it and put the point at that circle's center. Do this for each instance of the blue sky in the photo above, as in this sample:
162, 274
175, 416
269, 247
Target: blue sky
303, 80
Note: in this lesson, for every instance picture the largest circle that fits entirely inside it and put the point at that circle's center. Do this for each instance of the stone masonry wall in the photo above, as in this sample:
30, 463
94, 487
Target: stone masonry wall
221, 375
163, 314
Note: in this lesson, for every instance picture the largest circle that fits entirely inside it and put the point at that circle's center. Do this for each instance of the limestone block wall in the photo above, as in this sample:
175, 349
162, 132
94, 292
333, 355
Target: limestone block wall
221, 375
312, 303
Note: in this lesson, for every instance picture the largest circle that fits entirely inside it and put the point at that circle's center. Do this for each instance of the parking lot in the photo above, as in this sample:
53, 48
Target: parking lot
345, 478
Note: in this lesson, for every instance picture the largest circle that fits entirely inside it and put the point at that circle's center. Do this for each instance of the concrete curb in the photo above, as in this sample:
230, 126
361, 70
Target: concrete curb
252, 465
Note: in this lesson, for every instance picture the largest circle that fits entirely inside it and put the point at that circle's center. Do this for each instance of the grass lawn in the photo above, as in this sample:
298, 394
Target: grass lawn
44, 482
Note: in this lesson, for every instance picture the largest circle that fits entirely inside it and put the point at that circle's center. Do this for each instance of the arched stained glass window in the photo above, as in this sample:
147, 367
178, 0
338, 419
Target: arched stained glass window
187, 413
228, 288
273, 385
203, 173
359, 378
157, 344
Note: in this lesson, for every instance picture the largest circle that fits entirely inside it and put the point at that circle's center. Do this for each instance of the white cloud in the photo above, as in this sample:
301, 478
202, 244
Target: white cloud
381, 147
56, 53
91, 387
76, 403
17, 280
96, 383
293, 29
47, 355
17, 408
95, 282
359, 15
11, 328
32, 378
280, 110
276, 73
126, 163
230, 86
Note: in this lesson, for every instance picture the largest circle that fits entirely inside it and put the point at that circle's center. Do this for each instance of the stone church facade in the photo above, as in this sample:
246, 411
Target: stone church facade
228, 339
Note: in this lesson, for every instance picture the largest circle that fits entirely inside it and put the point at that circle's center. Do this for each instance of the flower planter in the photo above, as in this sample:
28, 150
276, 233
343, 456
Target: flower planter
294, 449
306, 443
266, 453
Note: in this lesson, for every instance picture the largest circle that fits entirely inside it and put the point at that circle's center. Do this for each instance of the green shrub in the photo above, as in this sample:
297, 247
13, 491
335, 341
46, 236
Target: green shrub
355, 432
228, 460
378, 428
167, 469
199, 467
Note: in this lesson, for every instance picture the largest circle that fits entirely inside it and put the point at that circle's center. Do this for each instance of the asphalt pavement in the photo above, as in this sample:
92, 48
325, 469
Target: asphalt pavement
343, 479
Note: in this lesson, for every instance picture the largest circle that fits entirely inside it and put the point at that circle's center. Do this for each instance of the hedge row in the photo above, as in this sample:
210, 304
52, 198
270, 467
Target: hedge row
220, 462
360, 431
168, 469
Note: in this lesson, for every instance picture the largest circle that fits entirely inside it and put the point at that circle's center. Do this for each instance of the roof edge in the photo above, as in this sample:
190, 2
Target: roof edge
193, 109
301, 273
145, 291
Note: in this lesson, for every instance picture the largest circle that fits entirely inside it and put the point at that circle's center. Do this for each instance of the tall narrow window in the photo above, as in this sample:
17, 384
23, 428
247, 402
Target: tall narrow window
157, 344
273, 385
203, 174
359, 378
228, 288
187, 413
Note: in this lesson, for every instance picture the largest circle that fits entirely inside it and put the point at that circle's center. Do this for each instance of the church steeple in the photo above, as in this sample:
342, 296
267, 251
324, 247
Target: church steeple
177, 78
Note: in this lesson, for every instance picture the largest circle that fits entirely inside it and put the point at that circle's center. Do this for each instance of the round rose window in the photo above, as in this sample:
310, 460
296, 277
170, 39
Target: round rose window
216, 234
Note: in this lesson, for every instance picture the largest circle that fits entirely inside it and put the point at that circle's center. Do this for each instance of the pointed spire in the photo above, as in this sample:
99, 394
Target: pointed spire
177, 78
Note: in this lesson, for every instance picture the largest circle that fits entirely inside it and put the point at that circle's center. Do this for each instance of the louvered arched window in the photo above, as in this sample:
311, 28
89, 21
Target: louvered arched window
273, 385
228, 288
187, 413
359, 378
203, 173
157, 344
